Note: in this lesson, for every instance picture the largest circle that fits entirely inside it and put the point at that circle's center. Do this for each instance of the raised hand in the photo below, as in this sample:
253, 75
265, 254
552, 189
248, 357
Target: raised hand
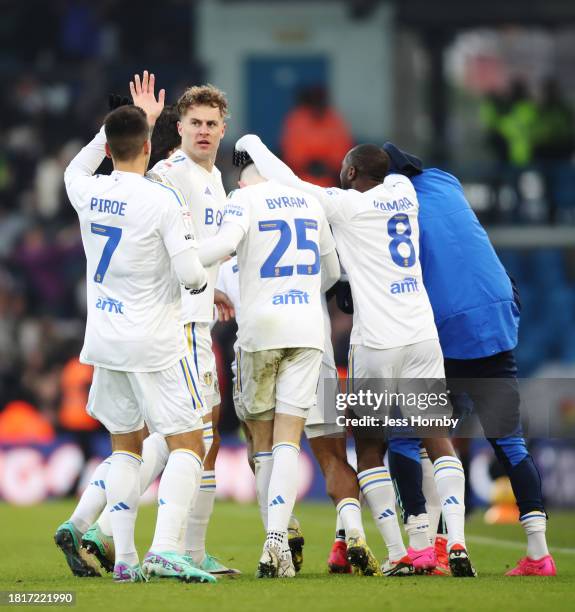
143, 96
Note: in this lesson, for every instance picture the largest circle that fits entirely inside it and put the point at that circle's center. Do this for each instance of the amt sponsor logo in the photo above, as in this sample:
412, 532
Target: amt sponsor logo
293, 296
110, 305
407, 285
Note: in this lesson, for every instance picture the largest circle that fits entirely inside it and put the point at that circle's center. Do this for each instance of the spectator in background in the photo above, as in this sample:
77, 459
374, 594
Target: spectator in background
22, 423
511, 127
492, 109
555, 129
315, 138
555, 141
43, 264
517, 126
75, 383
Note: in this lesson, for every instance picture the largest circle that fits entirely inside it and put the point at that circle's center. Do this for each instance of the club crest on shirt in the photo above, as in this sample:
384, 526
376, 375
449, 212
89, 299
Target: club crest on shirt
188, 221
208, 379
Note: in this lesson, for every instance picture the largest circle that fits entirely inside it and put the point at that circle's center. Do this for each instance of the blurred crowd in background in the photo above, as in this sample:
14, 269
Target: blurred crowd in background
524, 132
53, 101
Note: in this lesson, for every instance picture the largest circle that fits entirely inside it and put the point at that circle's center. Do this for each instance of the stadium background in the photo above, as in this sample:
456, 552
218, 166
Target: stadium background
467, 89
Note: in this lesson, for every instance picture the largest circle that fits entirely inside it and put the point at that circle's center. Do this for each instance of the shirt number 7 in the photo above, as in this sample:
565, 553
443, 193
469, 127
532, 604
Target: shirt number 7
113, 234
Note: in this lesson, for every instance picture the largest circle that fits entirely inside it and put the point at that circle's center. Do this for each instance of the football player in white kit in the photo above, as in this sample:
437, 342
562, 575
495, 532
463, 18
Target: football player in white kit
326, 438
136, 233
286, 256
374, 222
97, 547
191, 169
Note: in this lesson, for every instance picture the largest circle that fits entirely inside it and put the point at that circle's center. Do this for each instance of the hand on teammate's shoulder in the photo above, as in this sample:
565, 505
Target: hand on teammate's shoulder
244, 142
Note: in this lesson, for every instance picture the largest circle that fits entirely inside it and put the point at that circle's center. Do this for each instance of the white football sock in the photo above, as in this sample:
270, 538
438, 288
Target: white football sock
349, 513
282, 491
417, 529
104, 522
339, 528
432, 501
199, 517
123, 496
92, 500
263, 463
175, 495
377, 488
155, 453
535, 525
450, 481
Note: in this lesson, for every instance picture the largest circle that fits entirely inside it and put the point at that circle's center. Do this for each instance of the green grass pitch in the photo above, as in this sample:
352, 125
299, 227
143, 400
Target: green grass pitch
30, 561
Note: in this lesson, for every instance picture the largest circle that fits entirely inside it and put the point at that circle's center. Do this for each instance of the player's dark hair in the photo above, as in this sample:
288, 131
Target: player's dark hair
370, 161
126, 132
165, 137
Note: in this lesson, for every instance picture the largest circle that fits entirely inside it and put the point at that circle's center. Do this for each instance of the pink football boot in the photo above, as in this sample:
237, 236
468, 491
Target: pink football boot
534, 567
423, 560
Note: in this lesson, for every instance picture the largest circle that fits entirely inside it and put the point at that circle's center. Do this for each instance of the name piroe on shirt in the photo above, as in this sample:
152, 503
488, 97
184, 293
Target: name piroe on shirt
112, 207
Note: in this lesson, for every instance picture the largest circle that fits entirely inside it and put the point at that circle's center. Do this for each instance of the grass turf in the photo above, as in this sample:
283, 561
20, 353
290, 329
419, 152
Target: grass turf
31, 562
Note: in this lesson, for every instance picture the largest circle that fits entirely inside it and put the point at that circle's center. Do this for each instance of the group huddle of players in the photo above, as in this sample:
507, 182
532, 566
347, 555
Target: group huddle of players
404, 236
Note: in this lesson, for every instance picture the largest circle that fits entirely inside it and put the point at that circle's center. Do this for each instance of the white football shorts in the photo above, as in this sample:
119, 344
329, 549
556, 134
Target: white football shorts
321, 420
199, 339
168, 401
415, 368
283, 381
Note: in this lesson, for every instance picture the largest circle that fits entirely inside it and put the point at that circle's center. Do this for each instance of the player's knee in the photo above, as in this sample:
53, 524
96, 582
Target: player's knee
369, 457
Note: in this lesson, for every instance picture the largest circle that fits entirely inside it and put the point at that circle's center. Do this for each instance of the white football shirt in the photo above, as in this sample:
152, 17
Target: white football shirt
377, 237
205, 195
229, 282
131, 228
285, 235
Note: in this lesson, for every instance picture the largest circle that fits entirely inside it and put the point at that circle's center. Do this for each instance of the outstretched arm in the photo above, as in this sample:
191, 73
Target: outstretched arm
190, 271
333, 200
91, 156
271, 167
224, 243
86, 162
330, 270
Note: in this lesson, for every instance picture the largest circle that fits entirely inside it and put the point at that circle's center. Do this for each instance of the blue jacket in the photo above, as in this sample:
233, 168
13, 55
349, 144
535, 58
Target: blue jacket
468, 287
